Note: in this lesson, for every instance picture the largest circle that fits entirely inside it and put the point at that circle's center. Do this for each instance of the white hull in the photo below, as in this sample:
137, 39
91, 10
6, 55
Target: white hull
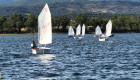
102, 39
80, 37
40, 51
34, 51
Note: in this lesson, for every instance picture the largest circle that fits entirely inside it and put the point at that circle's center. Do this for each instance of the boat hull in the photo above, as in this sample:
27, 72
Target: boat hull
80, 37
111, 35
41, 51
102, 39
71, 37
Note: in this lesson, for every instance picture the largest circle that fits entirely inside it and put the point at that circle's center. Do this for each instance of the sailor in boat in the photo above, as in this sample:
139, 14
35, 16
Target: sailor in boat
79, 35
33, 45
100, 36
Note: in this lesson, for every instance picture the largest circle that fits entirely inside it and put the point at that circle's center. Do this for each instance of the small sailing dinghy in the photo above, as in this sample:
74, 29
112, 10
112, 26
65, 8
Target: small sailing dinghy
109, 29
44, 30
78, 31
99, 33
71, 32
83, 30
105, 36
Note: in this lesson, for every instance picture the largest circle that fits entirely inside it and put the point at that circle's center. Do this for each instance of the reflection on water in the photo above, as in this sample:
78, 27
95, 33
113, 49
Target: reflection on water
71, 59
45, 58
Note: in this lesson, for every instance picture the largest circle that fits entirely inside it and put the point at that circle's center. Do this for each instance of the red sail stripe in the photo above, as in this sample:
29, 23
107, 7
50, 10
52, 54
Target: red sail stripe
43, 27
46, 10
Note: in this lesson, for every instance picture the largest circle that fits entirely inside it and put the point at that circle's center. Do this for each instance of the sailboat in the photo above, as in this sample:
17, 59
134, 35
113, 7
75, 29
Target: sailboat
71, 32
105, 36
44, 30
78, 31
109, 29
83, 30
98, 31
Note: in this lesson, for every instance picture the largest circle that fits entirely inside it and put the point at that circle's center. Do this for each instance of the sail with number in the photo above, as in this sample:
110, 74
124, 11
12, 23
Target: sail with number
98, 31
71, 31
108, 28
78, 30
83, 30
45, 26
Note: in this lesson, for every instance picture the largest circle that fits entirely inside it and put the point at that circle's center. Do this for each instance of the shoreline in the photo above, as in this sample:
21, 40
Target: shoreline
28, 33
61, 33
19, 34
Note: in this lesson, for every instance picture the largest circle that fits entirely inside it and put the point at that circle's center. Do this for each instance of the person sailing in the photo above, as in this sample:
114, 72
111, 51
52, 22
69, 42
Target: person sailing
100, 36
33, 45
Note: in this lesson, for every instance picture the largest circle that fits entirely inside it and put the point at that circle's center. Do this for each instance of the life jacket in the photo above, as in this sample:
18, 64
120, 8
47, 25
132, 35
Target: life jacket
33, 46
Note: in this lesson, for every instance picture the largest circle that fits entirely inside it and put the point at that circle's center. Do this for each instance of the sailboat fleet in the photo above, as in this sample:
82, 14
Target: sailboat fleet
45, 31
78, 32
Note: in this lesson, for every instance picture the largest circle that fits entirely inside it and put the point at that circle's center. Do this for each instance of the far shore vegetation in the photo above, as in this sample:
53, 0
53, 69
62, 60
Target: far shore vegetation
19, 24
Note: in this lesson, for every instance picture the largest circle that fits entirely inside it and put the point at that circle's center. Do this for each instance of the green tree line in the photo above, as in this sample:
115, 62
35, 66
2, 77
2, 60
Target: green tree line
29, 24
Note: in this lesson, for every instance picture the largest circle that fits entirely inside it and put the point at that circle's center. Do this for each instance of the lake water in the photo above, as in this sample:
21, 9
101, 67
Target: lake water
71, 59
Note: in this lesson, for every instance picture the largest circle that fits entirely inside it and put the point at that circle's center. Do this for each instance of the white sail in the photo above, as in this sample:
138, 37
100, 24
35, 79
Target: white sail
78, 30
71, 31
45, 26
98, 31
108, 28
83, 30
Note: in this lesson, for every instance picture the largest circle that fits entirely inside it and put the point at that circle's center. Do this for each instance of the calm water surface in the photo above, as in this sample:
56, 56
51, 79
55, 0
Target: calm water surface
71, 59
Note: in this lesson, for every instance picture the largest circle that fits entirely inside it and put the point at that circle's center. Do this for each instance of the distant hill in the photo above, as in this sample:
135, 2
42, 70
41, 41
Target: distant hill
62, 8
5, 2
34, 2
42, 2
